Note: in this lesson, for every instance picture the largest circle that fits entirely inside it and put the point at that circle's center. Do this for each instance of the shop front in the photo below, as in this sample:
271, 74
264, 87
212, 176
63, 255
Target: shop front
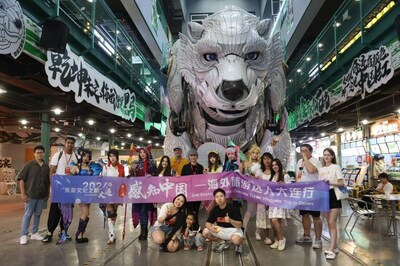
385, 148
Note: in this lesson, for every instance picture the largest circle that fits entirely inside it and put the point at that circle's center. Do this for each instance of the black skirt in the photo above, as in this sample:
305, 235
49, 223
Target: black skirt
334, 203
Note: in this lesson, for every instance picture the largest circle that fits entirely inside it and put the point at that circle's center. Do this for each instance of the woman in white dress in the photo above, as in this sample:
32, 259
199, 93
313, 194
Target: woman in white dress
276, 214
250, 168
262, 220
332, 173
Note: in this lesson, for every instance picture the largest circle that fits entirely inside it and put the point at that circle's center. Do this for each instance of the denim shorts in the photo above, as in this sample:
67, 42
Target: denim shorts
165, 228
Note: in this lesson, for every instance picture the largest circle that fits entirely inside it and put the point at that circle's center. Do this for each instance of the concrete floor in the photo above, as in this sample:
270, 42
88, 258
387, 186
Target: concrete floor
362, 247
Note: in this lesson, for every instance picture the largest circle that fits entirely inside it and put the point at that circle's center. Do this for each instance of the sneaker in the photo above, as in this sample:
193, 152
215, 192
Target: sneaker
267, 241
23, 240
336, 250
275, 244
200, 248
238, 249
317, 243
330, 255
67, 237
221, 247
281, 244
186, 247
304, 239
47, 239
36, 236
258, 237
111, 240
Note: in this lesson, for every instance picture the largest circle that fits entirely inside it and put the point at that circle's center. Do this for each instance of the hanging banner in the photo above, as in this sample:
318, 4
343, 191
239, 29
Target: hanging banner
90, 189
367, 73
12, 28
71, 73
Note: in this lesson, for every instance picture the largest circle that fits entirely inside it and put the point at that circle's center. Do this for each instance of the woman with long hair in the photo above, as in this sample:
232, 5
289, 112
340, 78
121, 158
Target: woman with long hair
277, 214
214, 163
250, 168
331, 173
169, 223
112, 169
164, 168
262, 220
214, 166
142, 212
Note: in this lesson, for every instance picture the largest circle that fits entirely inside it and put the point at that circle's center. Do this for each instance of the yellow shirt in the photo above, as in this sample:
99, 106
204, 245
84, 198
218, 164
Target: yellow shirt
177, 165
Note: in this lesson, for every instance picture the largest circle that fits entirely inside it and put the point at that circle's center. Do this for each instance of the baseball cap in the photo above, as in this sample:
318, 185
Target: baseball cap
177, 148
192, 152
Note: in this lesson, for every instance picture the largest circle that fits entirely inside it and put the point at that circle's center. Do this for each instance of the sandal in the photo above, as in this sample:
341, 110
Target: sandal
336, 250
330, 255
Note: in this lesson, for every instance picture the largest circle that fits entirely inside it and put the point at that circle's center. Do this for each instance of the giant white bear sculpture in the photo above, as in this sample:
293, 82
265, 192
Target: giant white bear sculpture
226, 80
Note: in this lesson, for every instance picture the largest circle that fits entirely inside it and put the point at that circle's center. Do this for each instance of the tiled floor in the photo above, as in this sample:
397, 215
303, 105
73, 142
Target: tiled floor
362, 247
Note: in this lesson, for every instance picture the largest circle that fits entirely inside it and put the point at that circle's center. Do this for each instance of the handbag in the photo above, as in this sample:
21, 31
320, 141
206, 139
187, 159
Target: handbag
342, 192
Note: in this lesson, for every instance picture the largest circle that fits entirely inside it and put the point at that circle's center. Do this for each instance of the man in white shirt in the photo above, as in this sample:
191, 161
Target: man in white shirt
60, 164
307, 170
384, 185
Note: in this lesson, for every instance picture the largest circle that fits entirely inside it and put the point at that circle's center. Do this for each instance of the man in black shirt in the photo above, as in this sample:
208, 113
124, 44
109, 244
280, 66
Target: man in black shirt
192, 168
229, 224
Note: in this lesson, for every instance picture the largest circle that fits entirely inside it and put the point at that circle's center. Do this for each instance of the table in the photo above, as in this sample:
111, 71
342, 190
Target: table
393, 198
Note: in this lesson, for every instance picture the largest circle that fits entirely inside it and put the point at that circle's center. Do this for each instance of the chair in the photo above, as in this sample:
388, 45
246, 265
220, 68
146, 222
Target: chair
358, 211
383, 209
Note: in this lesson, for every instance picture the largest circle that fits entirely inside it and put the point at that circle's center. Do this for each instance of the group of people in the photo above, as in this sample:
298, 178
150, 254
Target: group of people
178, 221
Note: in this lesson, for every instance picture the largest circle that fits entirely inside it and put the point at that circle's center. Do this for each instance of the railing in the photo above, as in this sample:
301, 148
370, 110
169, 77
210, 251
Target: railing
348, 26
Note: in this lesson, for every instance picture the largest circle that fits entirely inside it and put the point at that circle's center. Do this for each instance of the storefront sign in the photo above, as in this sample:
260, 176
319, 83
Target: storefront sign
71, 73
367, 73
352, 136
12, 28
387, 127
312, 195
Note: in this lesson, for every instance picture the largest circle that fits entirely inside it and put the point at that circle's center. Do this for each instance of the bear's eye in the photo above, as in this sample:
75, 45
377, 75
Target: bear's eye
210, 57
252, 55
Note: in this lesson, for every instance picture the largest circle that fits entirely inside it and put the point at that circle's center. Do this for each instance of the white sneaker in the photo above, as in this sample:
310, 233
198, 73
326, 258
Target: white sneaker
317, 243
282, 244
258, 237
275, 244
36, 236
23, 240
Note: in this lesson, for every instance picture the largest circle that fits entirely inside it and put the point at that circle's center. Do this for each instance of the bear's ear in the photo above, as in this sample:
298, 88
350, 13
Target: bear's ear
263, 28
195, 31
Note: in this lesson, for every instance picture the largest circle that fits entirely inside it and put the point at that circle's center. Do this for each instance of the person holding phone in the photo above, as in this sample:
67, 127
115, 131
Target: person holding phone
307, 170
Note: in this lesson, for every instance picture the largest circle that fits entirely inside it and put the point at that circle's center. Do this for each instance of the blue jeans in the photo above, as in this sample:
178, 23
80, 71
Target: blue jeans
32, 207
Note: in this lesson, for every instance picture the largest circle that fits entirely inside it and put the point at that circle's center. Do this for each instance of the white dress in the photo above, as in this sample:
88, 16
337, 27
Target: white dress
262, 220
276, 212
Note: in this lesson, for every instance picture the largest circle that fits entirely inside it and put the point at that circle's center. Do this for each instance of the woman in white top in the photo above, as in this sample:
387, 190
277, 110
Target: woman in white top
250, 168
262, 220
331, 172
112, 169
276, 214
169, 223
